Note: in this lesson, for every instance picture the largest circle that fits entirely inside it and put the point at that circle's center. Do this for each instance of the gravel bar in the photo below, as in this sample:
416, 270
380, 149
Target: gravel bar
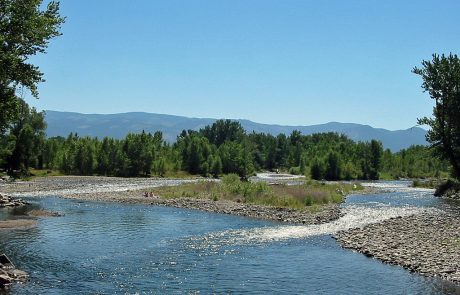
131, 190
428, 244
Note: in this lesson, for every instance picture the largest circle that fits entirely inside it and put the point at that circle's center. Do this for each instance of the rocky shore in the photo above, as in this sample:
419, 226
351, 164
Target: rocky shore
9, 201
327, 213
8, 272
428, 244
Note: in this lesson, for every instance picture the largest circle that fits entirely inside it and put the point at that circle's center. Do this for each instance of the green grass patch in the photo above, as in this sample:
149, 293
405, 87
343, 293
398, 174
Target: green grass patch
43, 173
427, 183
311, 195
386, 176
178, 174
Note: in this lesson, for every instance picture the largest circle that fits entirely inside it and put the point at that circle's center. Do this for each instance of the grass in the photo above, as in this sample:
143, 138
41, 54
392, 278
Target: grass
44, 172
311, 195
426, 183
177, 174
386, 176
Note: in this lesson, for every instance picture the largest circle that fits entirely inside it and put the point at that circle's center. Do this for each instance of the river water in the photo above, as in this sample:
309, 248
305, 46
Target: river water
111, 248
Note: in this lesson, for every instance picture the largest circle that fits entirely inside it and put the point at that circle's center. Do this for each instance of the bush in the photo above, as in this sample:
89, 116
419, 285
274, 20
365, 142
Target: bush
230, 179
447, 188
295, 171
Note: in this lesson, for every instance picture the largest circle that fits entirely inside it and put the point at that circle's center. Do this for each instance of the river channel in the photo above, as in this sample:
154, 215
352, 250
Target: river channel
112, 248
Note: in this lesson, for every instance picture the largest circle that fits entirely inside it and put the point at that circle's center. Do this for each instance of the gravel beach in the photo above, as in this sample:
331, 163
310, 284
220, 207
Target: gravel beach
427, 243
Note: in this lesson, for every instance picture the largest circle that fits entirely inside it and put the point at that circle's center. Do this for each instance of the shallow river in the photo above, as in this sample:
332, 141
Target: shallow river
109, 248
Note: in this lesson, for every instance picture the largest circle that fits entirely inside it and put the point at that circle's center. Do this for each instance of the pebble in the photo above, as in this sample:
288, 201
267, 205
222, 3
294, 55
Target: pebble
428, 244
9, 273
131, 190
328, 213
8, 201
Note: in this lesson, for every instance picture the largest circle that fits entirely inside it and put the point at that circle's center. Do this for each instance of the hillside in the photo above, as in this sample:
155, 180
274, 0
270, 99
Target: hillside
118, 125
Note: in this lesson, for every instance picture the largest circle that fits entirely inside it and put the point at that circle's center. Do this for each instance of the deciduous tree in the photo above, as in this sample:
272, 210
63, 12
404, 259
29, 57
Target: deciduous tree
25, 30
441, 79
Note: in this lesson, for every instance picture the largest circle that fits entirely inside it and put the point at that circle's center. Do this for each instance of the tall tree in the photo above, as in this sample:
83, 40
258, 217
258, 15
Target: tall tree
222, 131
375, 158
25, 30
29, 133
334, 168
441, 79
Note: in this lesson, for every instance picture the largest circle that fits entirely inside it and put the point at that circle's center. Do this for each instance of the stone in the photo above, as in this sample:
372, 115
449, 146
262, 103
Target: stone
18, 275
5, 280
428, 243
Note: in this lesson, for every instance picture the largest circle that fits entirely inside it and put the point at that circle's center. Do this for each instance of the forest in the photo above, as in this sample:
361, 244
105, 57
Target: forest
221, 148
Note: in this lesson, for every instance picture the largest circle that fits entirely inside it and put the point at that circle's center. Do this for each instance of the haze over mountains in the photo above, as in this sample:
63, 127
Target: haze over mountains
118, 125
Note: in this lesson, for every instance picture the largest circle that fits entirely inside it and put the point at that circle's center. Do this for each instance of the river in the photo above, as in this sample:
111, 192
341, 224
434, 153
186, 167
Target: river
112, 248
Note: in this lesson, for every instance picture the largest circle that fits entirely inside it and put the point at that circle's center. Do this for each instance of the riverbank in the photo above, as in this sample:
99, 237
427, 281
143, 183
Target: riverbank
428, 244
132, 190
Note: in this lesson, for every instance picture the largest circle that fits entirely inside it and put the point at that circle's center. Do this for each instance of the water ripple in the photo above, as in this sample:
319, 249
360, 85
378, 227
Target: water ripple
354, 217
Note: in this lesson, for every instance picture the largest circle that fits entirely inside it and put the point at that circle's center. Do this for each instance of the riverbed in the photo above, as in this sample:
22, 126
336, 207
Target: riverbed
116, 248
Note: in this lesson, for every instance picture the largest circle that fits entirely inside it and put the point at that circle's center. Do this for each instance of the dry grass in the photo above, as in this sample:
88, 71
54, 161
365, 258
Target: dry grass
311, 194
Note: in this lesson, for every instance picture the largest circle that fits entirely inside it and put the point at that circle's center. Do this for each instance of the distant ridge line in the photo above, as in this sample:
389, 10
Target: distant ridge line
118, 125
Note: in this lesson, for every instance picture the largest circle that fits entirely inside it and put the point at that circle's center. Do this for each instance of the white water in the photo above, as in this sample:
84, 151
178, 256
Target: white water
396, 187
355, 217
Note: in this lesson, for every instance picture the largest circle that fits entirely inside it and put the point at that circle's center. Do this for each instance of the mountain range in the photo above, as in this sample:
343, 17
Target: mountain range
118, 125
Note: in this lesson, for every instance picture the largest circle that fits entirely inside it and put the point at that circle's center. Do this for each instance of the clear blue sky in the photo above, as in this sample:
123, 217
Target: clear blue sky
270, 61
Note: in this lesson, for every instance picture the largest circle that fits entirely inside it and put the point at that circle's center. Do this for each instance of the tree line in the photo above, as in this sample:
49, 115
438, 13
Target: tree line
27, 28
221, 148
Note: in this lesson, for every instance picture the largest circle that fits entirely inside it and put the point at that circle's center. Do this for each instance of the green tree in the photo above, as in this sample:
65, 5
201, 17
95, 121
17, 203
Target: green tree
376, 159
317, 169
334, 168
216, 167
29, 133
303, 165
25, 30
222, 131
441, 79
160, 167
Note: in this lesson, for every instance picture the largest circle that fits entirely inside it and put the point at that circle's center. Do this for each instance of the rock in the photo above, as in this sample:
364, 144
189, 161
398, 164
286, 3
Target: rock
5, 280
9, 273
450, 270
8, 201
5, 262
43, 213
428, 243
18, 275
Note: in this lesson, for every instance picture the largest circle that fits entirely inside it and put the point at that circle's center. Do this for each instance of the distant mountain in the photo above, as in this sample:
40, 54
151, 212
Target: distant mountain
118, 125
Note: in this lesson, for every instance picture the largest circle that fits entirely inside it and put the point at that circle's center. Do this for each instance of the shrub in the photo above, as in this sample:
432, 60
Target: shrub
295, 171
